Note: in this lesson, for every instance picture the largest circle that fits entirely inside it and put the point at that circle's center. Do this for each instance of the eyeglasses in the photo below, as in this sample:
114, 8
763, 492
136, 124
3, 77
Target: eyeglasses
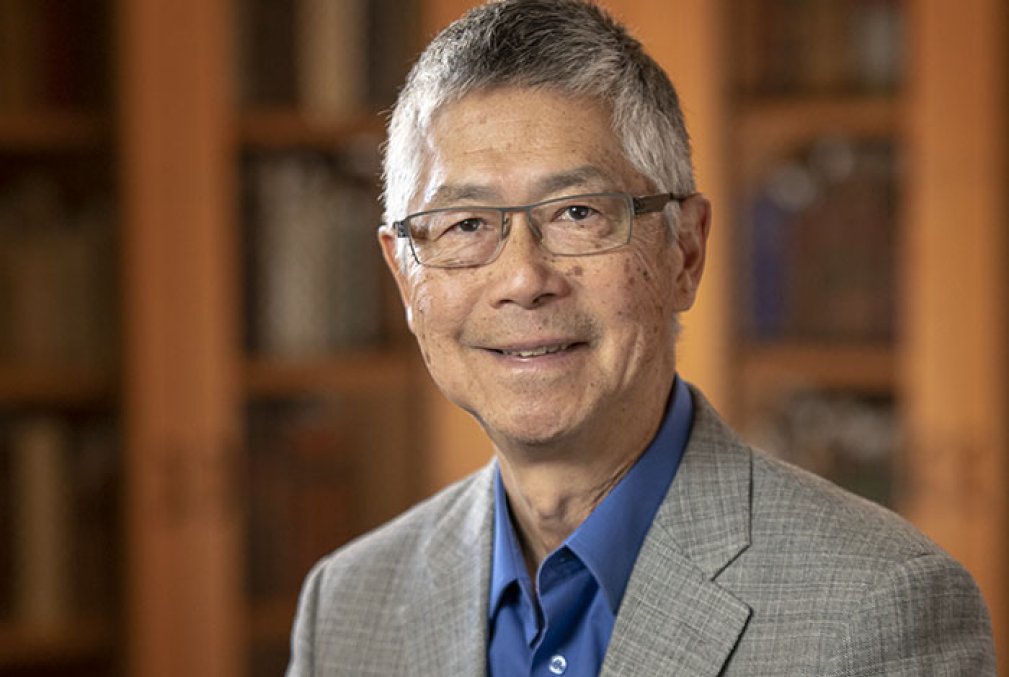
575, 225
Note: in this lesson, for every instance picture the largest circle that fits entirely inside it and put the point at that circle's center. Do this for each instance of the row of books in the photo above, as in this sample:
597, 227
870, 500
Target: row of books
303, 482
820, 244
57, 273
53, 53
819, 46
327, 58
847, 437
314, 270
58, 518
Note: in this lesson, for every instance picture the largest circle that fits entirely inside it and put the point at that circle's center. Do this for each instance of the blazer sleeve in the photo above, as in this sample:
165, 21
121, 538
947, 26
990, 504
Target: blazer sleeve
925, 616
303, 631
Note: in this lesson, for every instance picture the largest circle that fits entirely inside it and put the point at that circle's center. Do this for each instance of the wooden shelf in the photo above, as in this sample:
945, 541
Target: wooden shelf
868, 368
284, 128
51, 130
75, 641
806, 117
55, 386
356, 373
768, 127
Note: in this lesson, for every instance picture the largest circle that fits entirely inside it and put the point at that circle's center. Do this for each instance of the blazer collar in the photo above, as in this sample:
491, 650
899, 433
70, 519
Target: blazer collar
675, 617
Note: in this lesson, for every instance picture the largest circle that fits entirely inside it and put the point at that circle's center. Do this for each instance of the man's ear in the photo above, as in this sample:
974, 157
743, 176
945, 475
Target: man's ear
388, 241
692, 241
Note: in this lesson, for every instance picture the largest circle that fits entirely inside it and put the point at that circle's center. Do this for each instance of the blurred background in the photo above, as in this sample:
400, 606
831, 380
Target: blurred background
205, 379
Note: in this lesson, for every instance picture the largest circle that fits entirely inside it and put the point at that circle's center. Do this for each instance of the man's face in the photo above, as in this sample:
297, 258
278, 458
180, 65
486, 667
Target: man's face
543, 348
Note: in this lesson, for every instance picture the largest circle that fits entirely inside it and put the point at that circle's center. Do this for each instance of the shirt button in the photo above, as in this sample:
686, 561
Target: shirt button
558, 664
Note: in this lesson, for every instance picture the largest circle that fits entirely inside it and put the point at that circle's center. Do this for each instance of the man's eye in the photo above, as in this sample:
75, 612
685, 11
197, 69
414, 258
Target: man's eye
577, 212
458, 225
470, 225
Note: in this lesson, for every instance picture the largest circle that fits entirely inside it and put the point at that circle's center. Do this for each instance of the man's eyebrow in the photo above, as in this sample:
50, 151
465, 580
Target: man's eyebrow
587, 175
449, 194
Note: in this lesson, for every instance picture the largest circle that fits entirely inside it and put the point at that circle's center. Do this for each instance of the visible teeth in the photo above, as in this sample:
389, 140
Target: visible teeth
537, 352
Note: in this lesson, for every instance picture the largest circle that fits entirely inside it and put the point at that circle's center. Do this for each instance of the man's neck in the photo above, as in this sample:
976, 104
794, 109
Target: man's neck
552, 491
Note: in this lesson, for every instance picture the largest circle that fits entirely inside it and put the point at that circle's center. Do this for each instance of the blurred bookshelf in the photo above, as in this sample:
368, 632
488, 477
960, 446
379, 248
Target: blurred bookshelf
817, 184
60, 554
193, 438
330, 440
313, 343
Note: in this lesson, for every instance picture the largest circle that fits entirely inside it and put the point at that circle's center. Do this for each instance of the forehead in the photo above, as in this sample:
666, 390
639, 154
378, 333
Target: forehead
517, 144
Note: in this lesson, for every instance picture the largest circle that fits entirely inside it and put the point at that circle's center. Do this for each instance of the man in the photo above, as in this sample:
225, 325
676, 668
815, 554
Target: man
544, 231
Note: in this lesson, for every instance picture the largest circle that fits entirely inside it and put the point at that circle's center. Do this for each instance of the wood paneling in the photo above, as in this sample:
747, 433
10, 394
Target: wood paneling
183, 548
954, 366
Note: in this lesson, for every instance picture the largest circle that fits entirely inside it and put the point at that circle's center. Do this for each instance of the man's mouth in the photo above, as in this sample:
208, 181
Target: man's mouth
536, 352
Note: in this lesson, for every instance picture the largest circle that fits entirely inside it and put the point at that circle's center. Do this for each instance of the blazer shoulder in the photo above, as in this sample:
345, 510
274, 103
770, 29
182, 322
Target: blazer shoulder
452, 518
354, 601
792, 504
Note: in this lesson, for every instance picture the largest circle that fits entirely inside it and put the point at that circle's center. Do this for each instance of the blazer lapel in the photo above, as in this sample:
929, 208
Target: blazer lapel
675, 618
446, 631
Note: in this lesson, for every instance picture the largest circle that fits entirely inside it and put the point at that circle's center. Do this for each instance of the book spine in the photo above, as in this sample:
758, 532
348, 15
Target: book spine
42, 527
267, 44
57, 283
821, 232
316, 264
331, 58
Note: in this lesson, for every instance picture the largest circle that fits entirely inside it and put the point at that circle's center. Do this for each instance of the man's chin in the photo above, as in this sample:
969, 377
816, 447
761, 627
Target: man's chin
531, 433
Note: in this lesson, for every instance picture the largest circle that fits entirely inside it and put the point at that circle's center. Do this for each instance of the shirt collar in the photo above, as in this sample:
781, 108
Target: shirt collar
608, 541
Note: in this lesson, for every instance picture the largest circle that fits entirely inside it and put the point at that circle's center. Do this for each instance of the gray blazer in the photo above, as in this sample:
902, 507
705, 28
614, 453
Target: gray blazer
752, 567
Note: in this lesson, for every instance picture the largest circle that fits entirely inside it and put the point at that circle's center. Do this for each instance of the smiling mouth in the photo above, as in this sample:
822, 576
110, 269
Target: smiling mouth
536, 352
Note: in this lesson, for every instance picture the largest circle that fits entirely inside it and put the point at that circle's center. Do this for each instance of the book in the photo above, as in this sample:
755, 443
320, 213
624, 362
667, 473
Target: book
877, 44
59, 517
57, 274
293, 251
302, 497
95, 545
850, 438
392, 36
21, 59
73, 48
331, 57
42, 533
821, 244
818, 47
328, 59
266, 54
315, 269
6, 524
34, 258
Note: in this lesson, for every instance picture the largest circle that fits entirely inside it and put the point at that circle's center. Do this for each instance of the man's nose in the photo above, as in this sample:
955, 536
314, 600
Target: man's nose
525, 273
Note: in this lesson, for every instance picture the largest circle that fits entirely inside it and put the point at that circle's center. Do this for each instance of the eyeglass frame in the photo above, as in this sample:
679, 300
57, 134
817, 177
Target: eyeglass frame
642, 204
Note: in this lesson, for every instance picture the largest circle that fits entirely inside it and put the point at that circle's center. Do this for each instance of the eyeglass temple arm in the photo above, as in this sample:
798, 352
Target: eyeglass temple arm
653, 203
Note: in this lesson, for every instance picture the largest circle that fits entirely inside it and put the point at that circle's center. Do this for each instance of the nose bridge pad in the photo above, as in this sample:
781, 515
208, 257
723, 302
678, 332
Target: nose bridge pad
531, 224
507, 223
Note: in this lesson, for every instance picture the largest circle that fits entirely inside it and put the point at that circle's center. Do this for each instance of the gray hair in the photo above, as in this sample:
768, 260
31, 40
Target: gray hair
569, 46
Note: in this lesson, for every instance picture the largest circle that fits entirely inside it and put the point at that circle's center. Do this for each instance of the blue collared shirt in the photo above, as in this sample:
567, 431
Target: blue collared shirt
567, 627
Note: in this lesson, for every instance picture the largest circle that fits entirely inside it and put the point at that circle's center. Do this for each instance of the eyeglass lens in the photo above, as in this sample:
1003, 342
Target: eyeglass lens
575, 225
